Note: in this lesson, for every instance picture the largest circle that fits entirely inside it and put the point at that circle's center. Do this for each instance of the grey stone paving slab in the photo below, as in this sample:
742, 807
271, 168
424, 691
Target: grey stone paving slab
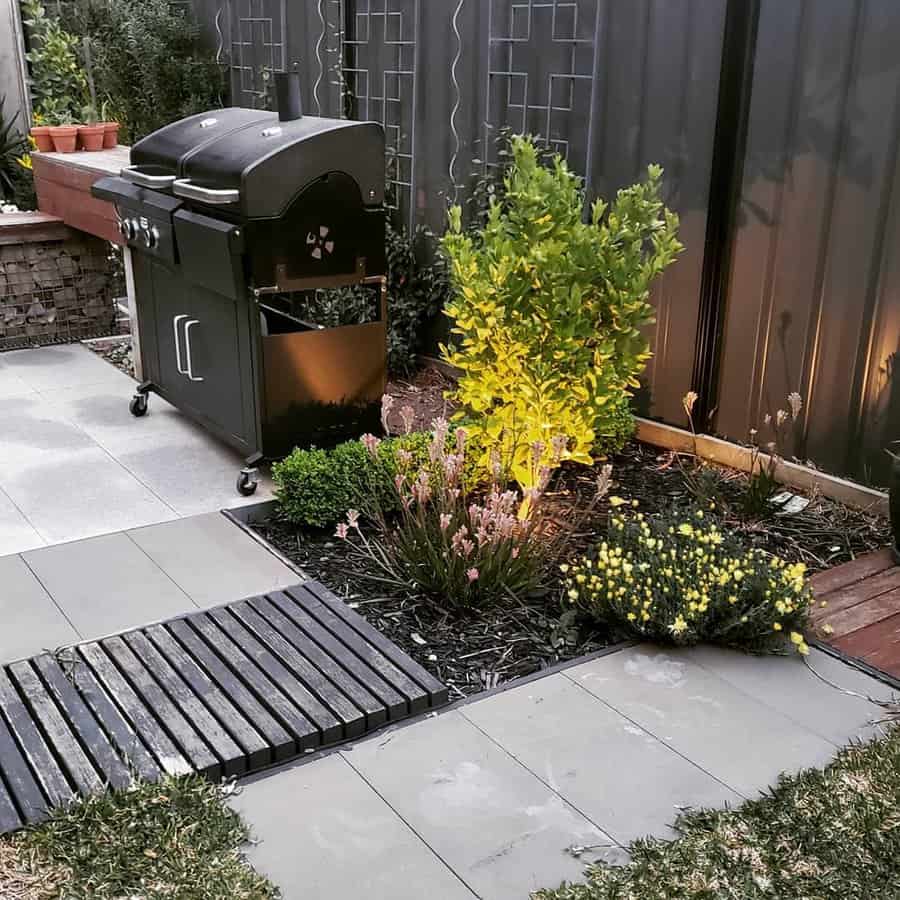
192, 472
35, 430
48, 368
16, 532
212, 560
11, 385
81, 494
500, 828
29, 620
787, 685
324, 833
101, 411
107, 584
741, 741
617, 774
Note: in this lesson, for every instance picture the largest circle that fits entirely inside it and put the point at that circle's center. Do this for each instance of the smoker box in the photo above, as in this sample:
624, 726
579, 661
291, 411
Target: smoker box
230, 215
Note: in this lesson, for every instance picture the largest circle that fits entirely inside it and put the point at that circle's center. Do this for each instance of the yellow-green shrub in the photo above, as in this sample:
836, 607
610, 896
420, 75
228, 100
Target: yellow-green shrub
682, 579
549, 308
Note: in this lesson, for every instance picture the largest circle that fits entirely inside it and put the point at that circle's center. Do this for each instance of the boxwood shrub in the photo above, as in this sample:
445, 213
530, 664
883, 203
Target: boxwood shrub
316, 487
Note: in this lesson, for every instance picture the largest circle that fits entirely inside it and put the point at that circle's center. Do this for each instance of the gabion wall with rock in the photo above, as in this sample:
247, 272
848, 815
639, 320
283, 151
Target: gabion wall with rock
55, 291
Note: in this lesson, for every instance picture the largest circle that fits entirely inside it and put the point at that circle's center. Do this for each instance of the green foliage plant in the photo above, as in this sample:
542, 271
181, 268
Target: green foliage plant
681, 578
147, 62
462, 546
315, 487
58, 80
13, 149
548, 310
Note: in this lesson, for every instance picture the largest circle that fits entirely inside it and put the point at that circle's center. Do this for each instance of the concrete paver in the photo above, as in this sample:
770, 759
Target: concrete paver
212, 560
30, 621
502, 830
321, 828
702, 716
75, 463
107, 584
16, 532
498, 788
595, 758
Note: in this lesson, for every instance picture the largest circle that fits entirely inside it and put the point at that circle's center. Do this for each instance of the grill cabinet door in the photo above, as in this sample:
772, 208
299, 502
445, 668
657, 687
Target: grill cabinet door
197, 351
217, 353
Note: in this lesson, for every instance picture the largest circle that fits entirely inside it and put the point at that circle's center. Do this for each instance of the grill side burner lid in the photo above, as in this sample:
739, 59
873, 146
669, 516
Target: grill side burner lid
261, 167
166, 149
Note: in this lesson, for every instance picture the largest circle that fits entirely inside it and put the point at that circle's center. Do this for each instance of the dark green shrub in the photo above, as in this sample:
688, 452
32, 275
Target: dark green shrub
315, 487
147, 62
681, 578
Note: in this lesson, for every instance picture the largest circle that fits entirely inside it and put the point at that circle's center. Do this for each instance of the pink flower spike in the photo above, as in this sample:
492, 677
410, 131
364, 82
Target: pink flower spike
472, 575
370, 442
353, 518
341, 531
387, 404
515, 553
445, 521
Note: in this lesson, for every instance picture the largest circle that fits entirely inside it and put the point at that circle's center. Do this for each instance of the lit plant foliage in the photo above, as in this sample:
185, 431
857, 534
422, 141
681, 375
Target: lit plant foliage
549, 309
681, 579
459, 546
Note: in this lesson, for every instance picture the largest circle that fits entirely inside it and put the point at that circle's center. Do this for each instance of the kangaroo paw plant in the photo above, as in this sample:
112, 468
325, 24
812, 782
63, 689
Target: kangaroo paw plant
549, 309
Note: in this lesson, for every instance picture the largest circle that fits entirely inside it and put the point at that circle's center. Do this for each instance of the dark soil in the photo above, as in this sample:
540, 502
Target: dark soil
508, 640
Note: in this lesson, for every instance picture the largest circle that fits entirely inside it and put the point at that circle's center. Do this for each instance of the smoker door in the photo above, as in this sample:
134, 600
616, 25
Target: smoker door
198, 352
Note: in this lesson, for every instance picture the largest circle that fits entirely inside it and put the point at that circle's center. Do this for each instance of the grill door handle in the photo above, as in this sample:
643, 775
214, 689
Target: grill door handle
175, 322
184, 187
187, 349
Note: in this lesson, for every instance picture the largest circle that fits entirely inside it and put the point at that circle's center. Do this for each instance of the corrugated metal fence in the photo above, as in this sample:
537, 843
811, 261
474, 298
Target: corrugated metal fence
809, 298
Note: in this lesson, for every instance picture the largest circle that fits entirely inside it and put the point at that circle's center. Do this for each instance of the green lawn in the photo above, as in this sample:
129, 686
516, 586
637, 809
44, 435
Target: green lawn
831, 834
176, 840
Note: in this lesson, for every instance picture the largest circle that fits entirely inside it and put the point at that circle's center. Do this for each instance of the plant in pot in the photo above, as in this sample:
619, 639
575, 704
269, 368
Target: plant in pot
64, 132
90, 135
40, 131
110, 127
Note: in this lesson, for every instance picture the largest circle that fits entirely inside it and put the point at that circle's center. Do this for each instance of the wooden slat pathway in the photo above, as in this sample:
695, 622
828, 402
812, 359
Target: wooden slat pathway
223, 692
862, 606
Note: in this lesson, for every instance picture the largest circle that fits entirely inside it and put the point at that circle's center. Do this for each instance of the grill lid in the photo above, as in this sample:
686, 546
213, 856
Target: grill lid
165, 150
255, 164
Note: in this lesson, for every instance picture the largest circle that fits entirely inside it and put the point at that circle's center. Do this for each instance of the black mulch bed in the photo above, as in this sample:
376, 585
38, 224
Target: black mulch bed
496, 644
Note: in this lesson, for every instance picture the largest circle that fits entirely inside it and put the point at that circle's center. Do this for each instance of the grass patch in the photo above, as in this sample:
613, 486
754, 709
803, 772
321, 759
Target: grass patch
830, 834
175, 839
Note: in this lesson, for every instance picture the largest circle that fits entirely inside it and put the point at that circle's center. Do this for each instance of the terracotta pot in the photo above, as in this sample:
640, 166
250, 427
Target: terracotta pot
110, 135
64, 137
90, 137
41, 135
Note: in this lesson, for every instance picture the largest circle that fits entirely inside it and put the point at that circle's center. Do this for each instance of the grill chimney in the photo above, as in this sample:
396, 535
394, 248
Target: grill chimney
287, 93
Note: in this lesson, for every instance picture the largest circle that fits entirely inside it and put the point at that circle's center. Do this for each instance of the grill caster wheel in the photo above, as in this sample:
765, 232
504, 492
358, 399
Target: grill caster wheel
247, 482
138, 405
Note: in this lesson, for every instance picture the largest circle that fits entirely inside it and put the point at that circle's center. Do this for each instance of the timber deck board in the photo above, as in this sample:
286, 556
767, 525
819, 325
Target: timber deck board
223, 692
862, 607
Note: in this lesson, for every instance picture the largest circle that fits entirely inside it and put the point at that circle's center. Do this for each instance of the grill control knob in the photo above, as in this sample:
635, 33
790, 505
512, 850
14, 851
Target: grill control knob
128, 229
150, 237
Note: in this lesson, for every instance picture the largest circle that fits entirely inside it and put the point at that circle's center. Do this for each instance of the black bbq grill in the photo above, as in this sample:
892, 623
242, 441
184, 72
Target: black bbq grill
231, 215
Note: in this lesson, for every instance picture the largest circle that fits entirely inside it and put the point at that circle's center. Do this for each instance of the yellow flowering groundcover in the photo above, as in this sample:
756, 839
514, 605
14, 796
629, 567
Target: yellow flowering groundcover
681, 578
